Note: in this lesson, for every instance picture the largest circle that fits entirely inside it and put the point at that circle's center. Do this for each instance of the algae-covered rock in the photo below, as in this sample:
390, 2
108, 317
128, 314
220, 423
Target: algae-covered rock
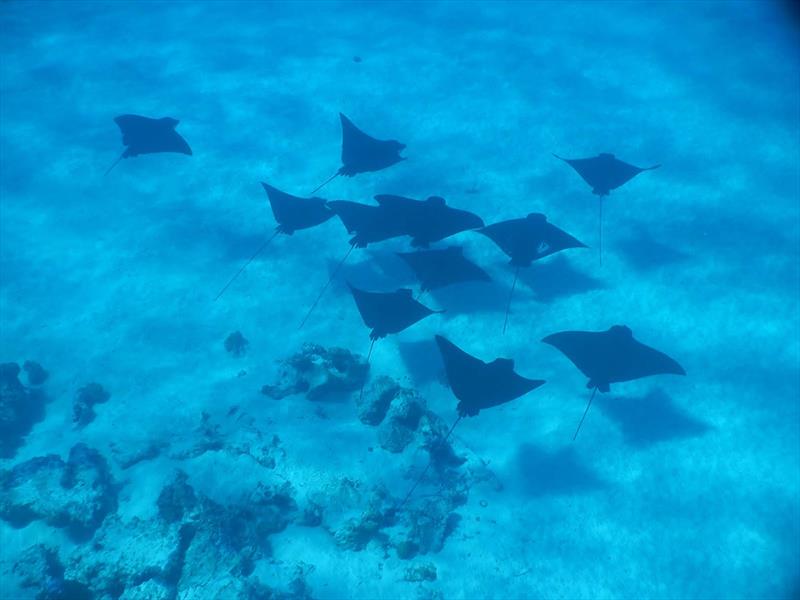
374, 403
35, 372
76, 495
148, 590
317, 372
20, 409
426, 527
124, 554
39, 568
420, 572
177, 499
397, 430
83, 404
236, 344
355, 514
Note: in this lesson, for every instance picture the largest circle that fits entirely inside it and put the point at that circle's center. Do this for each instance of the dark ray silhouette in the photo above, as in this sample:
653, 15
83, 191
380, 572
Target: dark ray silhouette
362, 153
427, 221
143, 135
389, 312
611, 356
439, 268
604, 173
526, 240
369, 223
477, 385
292, 214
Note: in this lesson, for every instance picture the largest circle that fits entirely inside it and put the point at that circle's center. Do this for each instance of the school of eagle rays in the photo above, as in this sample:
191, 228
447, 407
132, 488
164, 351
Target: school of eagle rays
604, 357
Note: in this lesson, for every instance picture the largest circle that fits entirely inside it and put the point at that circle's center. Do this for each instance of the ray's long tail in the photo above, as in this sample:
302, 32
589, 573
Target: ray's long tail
114, 164
510, 295
363, 383
244, 266
600, 231
324, 183
325, 287
594, 391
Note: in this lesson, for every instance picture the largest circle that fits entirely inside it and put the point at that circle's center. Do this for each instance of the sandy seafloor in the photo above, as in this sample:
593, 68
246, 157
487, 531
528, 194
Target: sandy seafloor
677, 487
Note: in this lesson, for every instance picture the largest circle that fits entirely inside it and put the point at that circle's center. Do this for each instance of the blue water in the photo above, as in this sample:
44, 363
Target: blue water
677, 487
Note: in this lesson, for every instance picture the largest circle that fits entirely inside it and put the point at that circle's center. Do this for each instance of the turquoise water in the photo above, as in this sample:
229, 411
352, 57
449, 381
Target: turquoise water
677, 487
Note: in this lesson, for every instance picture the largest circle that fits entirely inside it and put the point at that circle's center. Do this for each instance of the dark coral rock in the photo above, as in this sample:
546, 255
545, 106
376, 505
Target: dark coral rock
236, 435
374, 403
357, 533
421, 572
236, 344
9, 375
176, 499
125, 554
406, 549
85, 399
36, 565
312, 514
126, 456
20, 409
31, 490
40, 568
318, 372
35, 372
428, 527
356, 515
275, 506
441, 452
397, 431
150, 589
227, 543
76, 495
94, 494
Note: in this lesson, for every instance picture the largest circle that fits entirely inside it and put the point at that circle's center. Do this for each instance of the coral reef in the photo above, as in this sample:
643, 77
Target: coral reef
236, 344
402, 420
83, 404
39, 567
34, 372
176, 499
317, 372
20, 409
374, 403
127, 456
353, 514
108, 567
194, 548
236, 435
76, 495
425, 529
